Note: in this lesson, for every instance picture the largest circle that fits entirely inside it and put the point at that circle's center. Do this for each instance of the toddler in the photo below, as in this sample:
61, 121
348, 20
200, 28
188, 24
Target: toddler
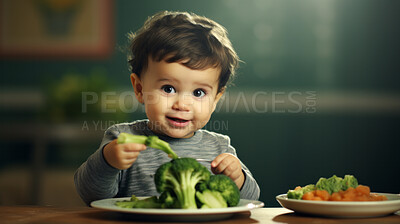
181, 64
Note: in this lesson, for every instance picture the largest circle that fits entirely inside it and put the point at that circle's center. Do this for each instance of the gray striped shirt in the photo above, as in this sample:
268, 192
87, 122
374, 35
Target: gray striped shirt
96, 179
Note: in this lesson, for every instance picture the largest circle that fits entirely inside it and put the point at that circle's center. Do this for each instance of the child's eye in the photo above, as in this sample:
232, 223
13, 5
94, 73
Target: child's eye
199, 93
168, 89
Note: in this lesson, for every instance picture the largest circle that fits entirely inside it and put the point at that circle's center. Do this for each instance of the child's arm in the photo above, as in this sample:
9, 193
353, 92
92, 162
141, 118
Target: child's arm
97, 178
229, 165
122, 156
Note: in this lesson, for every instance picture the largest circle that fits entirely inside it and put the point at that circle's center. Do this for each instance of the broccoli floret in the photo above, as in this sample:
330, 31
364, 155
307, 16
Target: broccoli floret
181, 176
211, 199
168, 200
298, 192
336, 184
151, 141
295, 194
134, 202
349, 181
332, 184
225, 186
308, 188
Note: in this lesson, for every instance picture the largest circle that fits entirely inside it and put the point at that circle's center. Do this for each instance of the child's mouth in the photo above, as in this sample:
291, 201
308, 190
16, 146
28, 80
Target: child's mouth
177, 121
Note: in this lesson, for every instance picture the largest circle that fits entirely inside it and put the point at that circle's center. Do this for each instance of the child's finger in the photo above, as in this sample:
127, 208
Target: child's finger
132, 155
130, 161
236, 174
134, 147
218, 159
225, 166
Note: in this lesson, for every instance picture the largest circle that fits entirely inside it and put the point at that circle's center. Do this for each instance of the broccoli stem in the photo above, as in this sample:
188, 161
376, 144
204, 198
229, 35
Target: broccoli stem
155, 142
151, 141
128, 138
189, 201
184, 192
184, 189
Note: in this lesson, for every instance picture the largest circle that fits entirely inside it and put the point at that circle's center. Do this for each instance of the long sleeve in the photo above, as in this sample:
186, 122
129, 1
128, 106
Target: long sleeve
250, 189
96, 179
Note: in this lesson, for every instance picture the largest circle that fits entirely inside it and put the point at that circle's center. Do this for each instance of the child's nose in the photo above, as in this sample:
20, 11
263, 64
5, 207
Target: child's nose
182, 102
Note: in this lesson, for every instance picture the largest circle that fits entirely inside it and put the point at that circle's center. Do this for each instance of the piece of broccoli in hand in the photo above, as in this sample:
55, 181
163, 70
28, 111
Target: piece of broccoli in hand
225, 186
129, 138
298, 192
134, 202
151, 141
181, 176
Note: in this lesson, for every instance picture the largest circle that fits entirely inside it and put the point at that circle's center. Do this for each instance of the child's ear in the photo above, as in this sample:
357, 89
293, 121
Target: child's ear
137, 87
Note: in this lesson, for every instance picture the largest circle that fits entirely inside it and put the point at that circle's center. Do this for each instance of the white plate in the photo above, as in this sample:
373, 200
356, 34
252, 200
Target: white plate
178, 214
344, 209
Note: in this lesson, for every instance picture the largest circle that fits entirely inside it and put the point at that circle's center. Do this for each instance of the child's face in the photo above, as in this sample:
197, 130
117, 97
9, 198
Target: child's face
178, 100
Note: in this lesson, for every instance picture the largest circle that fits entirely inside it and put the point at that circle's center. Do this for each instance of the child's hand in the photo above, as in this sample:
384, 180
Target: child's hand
229, 165
122, 156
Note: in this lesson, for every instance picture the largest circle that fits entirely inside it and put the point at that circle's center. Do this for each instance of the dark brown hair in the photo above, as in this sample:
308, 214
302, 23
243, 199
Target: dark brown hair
195, 40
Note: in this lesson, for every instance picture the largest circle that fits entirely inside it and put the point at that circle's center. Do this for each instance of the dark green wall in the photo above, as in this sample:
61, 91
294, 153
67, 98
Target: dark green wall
362, 36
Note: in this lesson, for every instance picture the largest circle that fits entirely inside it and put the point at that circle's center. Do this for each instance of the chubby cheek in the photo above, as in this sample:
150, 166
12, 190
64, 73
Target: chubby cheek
202, 114
155, 109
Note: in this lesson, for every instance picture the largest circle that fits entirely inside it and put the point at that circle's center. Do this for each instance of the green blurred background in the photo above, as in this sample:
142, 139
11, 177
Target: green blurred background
317, 93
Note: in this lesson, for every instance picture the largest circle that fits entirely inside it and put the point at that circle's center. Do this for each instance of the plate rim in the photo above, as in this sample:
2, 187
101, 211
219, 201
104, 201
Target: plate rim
341, 209
247, 206
352, 203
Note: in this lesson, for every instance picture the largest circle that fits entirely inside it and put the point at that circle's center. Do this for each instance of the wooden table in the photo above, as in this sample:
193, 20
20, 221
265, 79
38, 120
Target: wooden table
86, 215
